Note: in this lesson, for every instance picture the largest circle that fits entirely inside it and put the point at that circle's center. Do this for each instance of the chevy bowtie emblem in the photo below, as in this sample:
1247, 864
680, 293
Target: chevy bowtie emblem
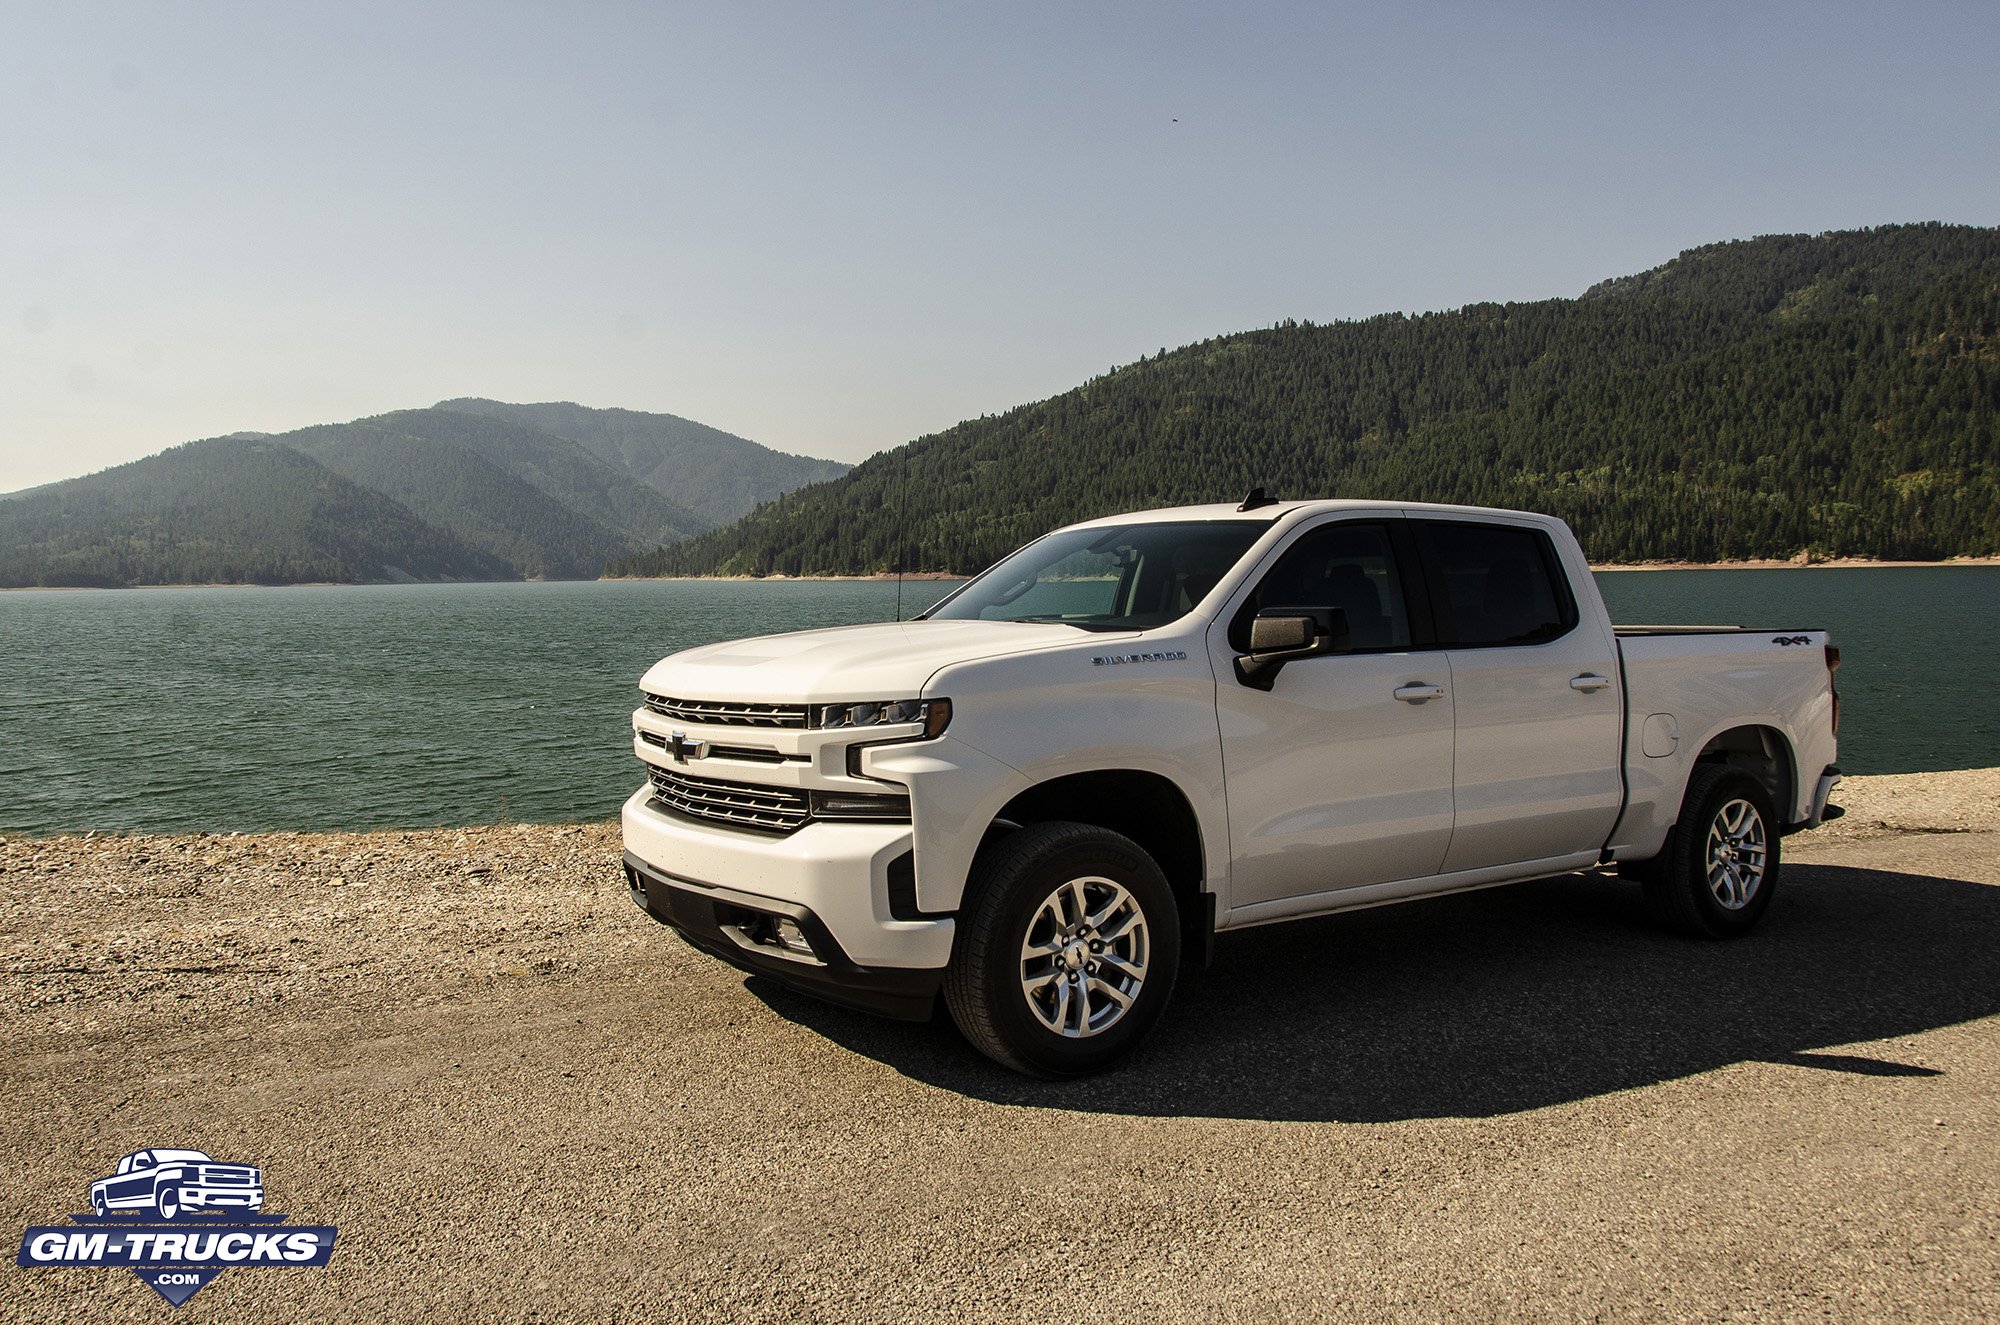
684, 749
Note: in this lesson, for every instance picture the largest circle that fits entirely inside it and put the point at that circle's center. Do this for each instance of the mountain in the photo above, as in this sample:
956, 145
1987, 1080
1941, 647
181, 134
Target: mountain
542, 504
560, 466
1838, 393
416, 494
717, 475
226, 510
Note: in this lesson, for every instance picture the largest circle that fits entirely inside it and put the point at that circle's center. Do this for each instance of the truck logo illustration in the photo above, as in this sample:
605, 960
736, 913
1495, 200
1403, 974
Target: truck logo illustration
172, 1183
176, 1251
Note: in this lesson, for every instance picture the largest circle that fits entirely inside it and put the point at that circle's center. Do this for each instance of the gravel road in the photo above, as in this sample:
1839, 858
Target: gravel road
519, 1099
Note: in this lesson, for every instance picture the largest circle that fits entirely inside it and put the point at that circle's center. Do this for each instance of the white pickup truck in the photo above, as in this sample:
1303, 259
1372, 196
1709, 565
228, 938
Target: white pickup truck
1045, 793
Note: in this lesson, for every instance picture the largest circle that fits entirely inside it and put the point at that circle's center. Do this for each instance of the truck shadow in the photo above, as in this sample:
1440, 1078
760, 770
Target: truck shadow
1515, 998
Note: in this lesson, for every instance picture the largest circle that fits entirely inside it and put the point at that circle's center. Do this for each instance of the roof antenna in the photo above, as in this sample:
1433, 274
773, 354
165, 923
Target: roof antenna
1256, 499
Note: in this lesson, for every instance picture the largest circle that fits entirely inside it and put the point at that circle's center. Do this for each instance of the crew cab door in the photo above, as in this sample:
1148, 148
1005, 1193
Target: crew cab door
134, 1177
1536, 685
1333, 781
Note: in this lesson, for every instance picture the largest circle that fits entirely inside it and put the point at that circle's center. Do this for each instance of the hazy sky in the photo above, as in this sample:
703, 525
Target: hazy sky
833, 227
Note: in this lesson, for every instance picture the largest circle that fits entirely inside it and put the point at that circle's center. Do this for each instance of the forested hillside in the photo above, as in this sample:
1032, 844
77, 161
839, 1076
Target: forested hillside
539, 503
560, 467
425, 494
717, 475
1835, 393
227, 510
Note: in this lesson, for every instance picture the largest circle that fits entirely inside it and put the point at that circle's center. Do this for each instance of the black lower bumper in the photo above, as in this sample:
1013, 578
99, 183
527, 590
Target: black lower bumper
722, 923
1826, 811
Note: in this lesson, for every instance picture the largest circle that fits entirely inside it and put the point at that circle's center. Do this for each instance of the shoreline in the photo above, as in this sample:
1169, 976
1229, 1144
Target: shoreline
877, 577
1830, 563
918, 577
1972, 794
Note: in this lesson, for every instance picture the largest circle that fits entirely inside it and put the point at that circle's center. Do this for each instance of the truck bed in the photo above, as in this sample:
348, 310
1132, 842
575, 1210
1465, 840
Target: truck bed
1691, 683
1639, 632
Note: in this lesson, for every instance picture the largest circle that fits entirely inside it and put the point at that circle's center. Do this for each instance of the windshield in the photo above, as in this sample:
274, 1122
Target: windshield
1127, 577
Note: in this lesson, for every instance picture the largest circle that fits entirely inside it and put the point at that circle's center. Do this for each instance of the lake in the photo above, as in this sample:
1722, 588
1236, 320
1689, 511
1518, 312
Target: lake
171, 710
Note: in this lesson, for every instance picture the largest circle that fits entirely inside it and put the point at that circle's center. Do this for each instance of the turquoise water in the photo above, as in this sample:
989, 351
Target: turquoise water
409, 705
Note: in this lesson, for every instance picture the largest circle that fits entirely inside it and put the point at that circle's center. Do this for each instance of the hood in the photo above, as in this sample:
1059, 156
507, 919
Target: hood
891, 661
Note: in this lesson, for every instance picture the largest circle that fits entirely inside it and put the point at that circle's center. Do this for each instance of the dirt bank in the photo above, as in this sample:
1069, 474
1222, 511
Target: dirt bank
1827, 563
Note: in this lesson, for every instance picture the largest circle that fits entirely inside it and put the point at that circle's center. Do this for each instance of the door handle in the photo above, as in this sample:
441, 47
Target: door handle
1418, 691
1589, 682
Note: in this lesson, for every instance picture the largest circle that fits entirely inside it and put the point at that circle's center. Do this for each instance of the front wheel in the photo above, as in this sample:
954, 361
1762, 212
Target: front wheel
168, 1201
1066, 952
1720, 866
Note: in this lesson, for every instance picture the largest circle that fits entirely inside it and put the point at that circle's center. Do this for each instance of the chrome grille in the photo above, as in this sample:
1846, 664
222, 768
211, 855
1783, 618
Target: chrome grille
748, 804
747, 753
717, 713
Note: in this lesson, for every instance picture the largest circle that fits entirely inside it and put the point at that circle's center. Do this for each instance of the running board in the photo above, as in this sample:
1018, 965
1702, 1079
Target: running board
1363, 896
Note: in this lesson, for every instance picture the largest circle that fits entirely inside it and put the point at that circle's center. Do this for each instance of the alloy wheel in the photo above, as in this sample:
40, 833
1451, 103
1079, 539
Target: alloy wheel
1085, 957
1737, 851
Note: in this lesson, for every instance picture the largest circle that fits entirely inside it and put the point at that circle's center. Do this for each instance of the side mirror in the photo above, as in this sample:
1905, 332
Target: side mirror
1279, 635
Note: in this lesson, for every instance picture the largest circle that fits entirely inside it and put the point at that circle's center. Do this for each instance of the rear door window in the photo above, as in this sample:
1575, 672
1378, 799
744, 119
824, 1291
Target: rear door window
1494, 585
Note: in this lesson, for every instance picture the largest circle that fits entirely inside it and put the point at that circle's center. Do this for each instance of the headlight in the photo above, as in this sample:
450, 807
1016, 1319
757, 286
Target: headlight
933, 713
860, 805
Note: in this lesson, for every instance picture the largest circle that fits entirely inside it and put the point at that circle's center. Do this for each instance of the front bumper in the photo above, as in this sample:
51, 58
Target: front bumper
722, 921
720, 886
218, 1197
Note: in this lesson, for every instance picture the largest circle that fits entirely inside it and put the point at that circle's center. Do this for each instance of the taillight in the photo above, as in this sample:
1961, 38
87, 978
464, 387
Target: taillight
1833, 683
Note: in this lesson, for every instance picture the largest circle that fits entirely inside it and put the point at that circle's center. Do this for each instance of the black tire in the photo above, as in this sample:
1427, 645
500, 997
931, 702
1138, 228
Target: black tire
1013, 884
167, 1200
1680, 889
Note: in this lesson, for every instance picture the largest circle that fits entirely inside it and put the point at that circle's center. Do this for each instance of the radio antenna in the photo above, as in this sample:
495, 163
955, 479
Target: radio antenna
902, 532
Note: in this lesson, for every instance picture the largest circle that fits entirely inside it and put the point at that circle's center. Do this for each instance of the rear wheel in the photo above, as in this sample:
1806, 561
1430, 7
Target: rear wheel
1066, 952
167, 1201
1720, 867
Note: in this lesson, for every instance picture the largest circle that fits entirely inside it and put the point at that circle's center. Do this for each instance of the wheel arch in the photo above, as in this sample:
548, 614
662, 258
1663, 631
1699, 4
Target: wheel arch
1766, 753
1149, 808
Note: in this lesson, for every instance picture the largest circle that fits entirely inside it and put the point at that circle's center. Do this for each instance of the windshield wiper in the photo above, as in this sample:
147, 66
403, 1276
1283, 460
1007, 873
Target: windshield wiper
1062, 620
